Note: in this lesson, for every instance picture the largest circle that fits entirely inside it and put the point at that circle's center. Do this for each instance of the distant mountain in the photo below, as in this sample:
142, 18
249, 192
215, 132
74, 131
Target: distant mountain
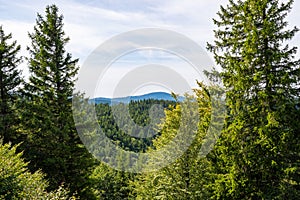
153, 95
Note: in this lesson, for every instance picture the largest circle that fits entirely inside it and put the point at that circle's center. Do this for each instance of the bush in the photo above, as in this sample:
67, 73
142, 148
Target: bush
16, 182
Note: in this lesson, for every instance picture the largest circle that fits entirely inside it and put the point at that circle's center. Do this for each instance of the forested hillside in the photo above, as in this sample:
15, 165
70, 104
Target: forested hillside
139, 112
257, 155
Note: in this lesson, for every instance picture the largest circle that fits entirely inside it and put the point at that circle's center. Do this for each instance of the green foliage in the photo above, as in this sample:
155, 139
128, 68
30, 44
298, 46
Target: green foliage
10, 82
16, 182
108, 183
138, 115
258, 155
52, 142
185, 178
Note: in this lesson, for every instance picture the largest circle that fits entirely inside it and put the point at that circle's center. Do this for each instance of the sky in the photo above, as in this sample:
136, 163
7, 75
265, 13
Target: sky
91, 23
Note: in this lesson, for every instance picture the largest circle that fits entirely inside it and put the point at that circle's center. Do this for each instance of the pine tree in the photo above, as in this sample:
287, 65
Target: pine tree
258, 155
53, 144
10, 83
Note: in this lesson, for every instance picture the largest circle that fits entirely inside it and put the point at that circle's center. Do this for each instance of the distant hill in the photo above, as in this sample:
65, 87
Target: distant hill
153, 95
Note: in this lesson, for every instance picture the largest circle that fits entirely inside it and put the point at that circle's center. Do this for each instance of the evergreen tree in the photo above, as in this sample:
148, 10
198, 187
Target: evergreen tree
53, 144
10, 83
258, 154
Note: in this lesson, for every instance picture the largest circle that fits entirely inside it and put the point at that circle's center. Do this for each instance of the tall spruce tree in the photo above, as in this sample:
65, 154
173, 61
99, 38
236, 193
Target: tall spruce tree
53, 144
10, 82
258, 155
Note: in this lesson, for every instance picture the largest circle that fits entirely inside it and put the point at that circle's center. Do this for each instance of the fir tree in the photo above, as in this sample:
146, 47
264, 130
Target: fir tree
258, 155
53, 144
10, 83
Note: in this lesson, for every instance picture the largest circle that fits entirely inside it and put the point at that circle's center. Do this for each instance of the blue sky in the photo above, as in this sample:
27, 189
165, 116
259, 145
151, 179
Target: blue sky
90, 23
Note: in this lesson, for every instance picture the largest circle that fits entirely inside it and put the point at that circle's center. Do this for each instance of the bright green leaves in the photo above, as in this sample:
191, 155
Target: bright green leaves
187, 176
16, 182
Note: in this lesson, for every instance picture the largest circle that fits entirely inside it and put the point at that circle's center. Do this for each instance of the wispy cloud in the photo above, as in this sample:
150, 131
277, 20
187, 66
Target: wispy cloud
90, 23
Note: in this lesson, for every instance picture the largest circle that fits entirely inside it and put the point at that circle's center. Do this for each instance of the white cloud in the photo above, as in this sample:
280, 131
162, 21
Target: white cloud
90, 23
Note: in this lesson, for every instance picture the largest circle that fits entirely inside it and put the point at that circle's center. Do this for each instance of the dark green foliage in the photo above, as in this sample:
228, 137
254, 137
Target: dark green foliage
139, 114
139, 110
10, 83
52, 143
108, 183
258, 155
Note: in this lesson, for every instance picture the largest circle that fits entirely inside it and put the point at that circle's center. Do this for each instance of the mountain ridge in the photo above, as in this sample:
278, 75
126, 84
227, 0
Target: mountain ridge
151, 95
